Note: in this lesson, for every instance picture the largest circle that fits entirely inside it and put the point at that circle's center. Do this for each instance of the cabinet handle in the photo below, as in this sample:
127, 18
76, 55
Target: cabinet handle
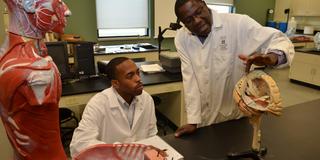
313, 71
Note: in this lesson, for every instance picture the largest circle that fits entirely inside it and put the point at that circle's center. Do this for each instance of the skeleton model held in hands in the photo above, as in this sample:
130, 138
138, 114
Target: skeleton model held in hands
255, 94
29, 80
121, 152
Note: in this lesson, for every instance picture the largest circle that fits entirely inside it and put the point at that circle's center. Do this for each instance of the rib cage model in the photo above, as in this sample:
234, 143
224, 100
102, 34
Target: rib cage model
120, 152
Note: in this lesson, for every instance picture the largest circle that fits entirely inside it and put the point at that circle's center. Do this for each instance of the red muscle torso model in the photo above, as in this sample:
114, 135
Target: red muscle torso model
29, 80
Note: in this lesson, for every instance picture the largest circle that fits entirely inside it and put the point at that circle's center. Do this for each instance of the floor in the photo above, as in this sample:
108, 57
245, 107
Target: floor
293, 93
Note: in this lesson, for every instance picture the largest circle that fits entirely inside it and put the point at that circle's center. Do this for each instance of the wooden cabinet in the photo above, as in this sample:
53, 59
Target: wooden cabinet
303, 45
305, 7
305, 68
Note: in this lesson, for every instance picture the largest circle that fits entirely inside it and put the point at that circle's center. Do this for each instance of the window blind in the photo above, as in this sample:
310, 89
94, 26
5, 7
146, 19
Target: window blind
224, 2
121, 17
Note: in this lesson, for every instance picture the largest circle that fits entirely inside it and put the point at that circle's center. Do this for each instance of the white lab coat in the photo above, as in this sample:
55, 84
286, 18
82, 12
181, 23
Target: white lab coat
211, 70
104, 121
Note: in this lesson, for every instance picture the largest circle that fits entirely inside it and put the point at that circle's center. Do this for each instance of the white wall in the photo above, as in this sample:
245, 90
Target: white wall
2, 22
5, 147
281, 5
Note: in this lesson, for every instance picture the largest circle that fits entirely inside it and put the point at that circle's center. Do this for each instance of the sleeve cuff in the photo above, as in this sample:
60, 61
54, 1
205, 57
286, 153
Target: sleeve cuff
193, 119
282, 59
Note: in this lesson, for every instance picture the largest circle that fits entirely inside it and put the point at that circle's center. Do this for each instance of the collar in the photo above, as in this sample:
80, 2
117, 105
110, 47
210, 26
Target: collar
118, 100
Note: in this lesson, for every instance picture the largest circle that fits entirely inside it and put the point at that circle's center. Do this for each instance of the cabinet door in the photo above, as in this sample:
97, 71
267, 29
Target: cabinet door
313, 7
301, 71
316, 75
300, 7
305, 7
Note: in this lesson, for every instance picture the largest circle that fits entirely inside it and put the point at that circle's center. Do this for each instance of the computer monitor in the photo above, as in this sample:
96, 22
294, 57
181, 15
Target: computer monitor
58, 51
84, 58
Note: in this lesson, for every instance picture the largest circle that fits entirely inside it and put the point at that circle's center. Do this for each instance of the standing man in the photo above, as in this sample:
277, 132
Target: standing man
215, 51
122, 113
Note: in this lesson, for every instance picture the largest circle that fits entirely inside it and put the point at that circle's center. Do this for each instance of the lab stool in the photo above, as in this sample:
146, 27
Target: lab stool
68, 123
162, 121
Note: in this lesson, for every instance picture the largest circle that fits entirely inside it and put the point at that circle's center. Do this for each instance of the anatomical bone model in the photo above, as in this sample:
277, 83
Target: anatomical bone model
121, 152
257, 93
29, 80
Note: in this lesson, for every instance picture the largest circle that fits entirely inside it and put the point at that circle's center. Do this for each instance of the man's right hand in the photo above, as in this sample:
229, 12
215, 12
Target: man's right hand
186, 129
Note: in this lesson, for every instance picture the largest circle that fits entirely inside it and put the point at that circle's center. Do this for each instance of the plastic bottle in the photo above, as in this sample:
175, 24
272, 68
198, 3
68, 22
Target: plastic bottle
316, 40
292, 27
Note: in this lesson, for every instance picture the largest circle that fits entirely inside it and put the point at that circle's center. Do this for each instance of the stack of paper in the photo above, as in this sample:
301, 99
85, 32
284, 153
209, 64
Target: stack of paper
156, 141
151, 68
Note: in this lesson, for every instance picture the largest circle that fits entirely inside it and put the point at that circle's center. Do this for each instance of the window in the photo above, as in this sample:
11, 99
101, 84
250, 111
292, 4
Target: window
122, 18
221, 8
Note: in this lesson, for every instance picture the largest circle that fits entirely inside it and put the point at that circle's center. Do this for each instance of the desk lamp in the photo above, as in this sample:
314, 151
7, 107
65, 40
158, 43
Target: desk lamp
287, 12
255, 94
173, 26
170, 62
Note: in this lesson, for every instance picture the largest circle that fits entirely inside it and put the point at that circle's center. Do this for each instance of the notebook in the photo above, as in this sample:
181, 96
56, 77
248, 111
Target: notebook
151, 68
156, 141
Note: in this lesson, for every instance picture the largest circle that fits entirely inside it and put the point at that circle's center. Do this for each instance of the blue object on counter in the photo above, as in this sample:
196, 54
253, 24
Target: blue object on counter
283, 26
272, 24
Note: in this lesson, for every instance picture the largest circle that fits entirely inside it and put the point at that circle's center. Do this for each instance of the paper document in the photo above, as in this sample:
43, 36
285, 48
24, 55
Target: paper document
151, 68
156, 141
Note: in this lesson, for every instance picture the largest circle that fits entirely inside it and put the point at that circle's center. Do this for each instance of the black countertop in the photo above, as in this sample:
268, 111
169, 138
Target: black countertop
292, 136
308, 50
97, 84
128, 48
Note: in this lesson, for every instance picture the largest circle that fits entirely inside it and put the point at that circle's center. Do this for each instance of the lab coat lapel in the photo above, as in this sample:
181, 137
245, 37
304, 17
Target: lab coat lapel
115, 105
137, 113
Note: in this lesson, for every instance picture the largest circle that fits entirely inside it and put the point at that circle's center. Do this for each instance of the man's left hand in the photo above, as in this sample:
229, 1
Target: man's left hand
259, 59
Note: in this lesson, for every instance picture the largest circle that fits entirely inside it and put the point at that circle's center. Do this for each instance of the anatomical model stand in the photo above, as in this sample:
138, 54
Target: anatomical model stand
29, 80
255, 94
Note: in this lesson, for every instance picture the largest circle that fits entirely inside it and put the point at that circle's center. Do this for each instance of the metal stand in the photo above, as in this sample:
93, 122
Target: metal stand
257, 152
255, 155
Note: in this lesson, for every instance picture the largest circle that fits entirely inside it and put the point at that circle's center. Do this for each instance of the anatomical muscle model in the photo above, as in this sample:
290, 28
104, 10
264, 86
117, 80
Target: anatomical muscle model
29, 80
257, 93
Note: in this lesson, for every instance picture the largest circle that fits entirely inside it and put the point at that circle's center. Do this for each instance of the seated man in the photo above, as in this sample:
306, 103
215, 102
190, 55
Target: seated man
122, 113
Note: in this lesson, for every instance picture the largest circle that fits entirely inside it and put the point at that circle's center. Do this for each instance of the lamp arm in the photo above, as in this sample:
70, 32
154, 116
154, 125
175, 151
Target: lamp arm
160, 37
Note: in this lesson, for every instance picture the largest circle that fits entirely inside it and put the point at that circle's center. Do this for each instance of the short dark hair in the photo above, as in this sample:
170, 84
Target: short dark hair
112, 67
177, 5
180, 3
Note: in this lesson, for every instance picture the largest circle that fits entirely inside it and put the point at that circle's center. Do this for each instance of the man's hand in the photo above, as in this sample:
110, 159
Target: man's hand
258, 59
186, 129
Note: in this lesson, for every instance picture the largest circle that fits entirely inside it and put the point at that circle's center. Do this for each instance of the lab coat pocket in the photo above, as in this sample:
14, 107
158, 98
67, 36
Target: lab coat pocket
222, 62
